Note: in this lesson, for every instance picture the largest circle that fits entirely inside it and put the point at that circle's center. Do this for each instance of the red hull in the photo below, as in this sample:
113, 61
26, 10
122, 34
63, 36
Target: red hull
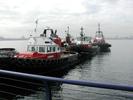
36, 55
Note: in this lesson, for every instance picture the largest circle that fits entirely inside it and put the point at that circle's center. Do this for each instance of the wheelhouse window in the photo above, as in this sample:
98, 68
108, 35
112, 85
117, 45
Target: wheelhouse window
41, 49
58, 49
32, 48
50, 49
53, 49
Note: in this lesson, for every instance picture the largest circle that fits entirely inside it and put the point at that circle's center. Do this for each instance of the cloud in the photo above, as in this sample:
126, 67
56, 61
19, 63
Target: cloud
18, 17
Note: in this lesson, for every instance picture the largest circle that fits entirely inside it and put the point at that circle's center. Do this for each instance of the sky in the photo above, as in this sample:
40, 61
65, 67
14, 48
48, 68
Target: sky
17, 17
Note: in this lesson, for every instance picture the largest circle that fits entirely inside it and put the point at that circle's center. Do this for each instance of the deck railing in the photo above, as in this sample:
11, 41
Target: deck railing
46, 80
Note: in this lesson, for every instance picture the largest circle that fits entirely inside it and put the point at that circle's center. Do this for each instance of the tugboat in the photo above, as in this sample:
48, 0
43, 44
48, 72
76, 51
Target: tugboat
100, 40
83, 45
43, 55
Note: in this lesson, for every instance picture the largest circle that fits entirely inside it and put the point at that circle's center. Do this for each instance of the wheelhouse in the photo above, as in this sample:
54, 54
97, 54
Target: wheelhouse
43, 48
42, 45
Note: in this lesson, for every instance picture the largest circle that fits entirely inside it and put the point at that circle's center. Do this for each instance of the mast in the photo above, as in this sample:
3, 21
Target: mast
99, 32
67, 32
99, 28
36, 22
67, 29
68, 37
81, 34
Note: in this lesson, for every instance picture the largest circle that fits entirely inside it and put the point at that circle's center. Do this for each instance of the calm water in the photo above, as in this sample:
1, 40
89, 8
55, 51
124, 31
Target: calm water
113, 67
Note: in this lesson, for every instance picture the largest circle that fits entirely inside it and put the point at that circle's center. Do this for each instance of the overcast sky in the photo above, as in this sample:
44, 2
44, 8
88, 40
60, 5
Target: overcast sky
17, 17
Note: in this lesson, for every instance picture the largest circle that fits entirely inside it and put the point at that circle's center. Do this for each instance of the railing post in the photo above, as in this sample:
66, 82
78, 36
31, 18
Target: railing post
48, 91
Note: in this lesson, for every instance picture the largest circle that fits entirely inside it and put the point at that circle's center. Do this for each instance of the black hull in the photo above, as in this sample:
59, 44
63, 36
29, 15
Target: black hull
83, 50
38, 66
104, 47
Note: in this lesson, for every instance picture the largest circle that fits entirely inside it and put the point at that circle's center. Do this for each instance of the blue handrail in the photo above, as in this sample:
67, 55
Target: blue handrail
66, 81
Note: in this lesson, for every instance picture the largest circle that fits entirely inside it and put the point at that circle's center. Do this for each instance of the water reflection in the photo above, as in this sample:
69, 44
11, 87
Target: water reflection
27, 89
111, 67
15, 88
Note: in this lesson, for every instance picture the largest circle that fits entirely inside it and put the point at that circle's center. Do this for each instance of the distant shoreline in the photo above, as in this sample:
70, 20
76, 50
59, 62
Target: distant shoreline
119, 38
12, 39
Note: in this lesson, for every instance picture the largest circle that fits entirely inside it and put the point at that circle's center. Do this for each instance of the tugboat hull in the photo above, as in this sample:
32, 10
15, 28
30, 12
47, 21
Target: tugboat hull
103, 46
91, 51
37, 66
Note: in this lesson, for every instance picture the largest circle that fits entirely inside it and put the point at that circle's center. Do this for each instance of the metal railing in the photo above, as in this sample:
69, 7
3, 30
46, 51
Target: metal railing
46, 80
